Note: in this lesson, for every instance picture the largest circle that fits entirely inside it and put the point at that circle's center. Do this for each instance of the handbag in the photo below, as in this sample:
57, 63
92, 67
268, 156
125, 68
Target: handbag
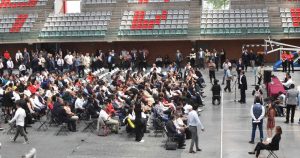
171, 145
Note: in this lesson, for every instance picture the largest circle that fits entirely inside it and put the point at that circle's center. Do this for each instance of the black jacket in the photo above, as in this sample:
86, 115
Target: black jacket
171, 127
274, 145
243, 83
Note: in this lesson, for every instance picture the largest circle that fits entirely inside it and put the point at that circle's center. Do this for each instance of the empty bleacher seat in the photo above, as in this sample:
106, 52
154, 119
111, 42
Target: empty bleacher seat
154, 22
76, 25
290, 18
155, 1
99, 1
21, 3
234, 21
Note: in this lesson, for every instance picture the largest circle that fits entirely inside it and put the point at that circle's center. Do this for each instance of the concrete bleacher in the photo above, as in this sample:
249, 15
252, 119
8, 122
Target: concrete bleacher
235, 21
21, 3
155, 1
15, 23
290, 18
154, 22
76, 25
99, 1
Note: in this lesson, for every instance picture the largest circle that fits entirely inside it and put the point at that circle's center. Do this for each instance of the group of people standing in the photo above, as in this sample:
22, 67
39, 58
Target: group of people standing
287, 59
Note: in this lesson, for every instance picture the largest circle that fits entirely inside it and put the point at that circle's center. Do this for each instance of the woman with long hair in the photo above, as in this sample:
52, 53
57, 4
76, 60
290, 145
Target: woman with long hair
273, 145
271, 120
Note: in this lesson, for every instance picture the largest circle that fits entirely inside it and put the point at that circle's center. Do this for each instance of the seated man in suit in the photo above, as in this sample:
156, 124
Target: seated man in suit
171, 129
274, 145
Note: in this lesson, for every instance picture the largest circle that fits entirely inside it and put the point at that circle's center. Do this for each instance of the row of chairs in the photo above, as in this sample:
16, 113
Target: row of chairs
212, 31
75, 28
156, 1
78, 23
234, 21
85, 33
249, 25
83, 14
99, 1
152, 32
235, 15
238, 11
158, 12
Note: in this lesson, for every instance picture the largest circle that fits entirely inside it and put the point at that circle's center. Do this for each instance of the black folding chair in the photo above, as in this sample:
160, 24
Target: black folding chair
43, 123
90, 125
272, 154
158, 126
63, 129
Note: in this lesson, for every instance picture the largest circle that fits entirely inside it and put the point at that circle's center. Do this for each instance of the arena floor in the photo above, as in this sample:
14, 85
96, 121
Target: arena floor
228, 130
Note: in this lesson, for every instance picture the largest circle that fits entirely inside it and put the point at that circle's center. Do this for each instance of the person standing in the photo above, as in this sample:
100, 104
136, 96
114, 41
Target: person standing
243, 87
111, 61
201, 56
290, 60
10, 66
212, 71
19, 57
257, 113
216, 58
260, 73
228, 77
192, 57
222, 57
239, 67
284, 61
20, 122
226, 66
245, 58
193, 123
291, 103
271, 120
69, 61
252, 57
179, 59
139, 124
1, 67
60, 64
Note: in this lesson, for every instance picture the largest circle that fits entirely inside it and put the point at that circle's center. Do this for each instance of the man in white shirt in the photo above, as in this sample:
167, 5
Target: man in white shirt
193, 123
79, 104
60, 64
69, 60
107, 120
226, 66
19, 57
10, 66
288, 83
20, 121
157, 69
257, 113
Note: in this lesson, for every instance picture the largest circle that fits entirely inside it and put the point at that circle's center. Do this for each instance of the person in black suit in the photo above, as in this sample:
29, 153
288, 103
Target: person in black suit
173, 131
274, 145
243, 86
111, 61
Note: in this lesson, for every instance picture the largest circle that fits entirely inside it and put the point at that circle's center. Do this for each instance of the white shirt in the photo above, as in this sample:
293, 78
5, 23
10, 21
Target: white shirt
19, 117
288, 83
22, 67
260, 117
103, 115
60, 62
193, 119
79, 103
10, 64
69, 59
19, 56
158, 69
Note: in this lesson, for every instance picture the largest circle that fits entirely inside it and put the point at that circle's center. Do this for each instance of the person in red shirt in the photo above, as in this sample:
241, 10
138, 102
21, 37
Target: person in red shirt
6, 55
284, 61
290, 59
110, 110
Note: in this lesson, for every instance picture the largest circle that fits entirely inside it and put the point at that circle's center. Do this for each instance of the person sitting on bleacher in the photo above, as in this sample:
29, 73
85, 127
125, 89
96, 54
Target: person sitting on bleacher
174, 132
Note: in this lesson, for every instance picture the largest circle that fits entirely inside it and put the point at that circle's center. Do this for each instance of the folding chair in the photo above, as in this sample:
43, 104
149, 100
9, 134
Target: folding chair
90, 125
158, 127
43, 123
104, 130
63, 128
272, 154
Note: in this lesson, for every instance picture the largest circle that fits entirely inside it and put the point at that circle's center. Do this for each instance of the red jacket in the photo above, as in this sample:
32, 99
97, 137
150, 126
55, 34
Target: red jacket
110, 109
6, 55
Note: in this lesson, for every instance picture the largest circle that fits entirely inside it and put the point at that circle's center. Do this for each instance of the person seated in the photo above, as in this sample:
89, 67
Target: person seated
280, 104
38, 103
181, 126
274, 145
107, 119
63, 115
173, 132
79, 104
216, 90
156, 69
287, 82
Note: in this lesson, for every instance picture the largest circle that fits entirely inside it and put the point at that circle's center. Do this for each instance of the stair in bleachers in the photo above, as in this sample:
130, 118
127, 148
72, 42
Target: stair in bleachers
194, 21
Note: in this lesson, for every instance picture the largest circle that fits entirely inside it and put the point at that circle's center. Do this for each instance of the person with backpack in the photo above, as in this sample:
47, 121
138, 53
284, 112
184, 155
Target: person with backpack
257, 113
257, 93
216, 90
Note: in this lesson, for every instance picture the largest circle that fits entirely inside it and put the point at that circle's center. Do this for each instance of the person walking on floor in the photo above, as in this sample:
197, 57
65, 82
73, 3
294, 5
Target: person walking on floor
257, 113
291, 103
193, 123
226, 66
243, 87
20, 122
212, 71
216, 90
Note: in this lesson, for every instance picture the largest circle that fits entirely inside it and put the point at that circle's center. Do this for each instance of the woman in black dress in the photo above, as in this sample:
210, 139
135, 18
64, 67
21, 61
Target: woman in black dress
139, 123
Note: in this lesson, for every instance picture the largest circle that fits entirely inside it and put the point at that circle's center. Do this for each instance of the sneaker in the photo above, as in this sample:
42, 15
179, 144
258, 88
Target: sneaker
26, 142
142, 141
199, 110
12, 139
251, 142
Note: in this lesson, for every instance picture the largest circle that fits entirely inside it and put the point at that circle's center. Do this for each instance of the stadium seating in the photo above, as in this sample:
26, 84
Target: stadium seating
17, 23
155, 1
98, 1
21, 3
154, 22
290, 18
235, 21
88, 24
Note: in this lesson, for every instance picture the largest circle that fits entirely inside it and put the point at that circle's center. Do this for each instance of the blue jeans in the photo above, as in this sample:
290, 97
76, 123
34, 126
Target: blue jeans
260, 127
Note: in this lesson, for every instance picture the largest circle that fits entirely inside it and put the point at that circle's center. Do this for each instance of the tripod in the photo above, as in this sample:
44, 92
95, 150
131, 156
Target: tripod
234, 86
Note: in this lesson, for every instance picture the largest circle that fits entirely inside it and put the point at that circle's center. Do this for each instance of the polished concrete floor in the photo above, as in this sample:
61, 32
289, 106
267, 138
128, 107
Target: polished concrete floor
227, 132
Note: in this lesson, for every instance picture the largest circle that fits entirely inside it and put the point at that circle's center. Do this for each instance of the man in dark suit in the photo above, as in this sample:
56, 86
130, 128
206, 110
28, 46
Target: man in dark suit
171, 129
243, 87
111, 61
